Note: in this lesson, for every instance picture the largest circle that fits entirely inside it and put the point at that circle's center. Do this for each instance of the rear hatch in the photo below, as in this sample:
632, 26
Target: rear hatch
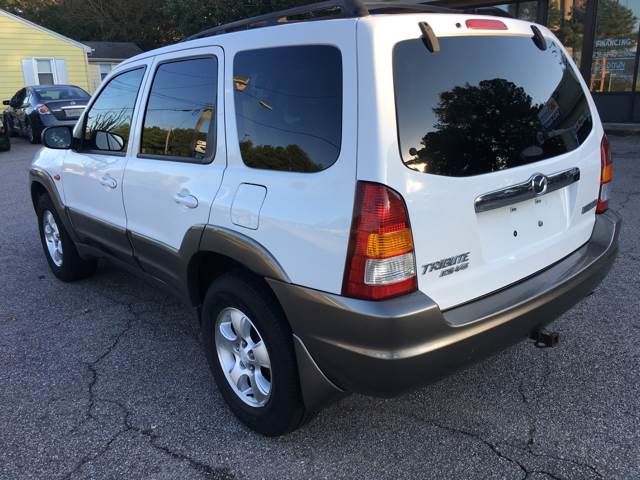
498, 158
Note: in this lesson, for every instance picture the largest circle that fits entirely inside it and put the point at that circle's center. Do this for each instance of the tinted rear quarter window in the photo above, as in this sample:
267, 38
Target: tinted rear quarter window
180, 113
288, 104
485, 103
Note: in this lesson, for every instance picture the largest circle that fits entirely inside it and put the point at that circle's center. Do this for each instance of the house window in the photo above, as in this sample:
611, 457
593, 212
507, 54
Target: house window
44, 72
105, 69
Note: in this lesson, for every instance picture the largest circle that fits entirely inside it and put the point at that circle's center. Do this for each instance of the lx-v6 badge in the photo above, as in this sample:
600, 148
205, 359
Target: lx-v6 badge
448, 266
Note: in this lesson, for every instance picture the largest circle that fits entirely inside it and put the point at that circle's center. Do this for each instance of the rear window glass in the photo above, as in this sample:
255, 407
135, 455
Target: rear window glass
485, 103
289, 107
61, 93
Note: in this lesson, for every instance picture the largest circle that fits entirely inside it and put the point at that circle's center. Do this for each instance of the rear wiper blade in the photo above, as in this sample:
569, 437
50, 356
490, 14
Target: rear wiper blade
429, 37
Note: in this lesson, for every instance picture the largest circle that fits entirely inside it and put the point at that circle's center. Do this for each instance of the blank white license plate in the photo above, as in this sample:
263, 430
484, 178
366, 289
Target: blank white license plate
73, 112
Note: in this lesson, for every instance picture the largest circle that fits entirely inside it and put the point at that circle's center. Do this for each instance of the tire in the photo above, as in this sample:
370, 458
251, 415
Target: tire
33, 133
11, 132
282, 410
59, 249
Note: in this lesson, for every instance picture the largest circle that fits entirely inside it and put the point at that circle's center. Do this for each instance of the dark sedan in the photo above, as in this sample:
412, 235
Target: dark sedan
32, 109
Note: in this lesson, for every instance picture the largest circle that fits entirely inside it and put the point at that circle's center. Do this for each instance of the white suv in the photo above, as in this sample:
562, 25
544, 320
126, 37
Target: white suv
355, 197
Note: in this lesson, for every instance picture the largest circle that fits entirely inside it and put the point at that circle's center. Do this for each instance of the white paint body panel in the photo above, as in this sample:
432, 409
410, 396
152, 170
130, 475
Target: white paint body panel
304, 220
83, 173
247, 204
441, 209
306, 217
151, 185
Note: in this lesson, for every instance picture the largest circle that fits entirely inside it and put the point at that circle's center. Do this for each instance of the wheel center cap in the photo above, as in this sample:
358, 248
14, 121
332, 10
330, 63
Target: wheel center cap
244, 357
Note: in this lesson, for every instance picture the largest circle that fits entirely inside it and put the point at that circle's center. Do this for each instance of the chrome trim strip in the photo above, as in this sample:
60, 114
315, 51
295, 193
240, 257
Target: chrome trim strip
537, 185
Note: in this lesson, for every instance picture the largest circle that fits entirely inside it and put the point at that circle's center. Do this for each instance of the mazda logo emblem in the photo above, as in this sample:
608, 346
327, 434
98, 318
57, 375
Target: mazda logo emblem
539, 183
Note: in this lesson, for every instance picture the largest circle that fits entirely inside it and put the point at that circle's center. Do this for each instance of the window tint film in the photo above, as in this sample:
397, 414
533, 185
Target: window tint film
181, 109
109, 120
289, 107
485, 103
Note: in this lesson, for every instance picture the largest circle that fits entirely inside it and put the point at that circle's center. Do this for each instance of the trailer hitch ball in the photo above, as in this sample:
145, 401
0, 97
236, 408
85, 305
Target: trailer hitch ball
544, 338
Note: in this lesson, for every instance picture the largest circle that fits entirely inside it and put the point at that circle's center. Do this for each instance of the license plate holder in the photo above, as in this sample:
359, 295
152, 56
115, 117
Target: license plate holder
73, 112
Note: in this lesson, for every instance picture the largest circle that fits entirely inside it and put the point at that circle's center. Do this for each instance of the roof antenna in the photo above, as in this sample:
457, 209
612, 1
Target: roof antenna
429, 38
538, 38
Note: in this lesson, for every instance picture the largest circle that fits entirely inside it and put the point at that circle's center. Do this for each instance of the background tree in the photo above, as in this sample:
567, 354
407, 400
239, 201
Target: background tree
481, 128
290, 158
149, 23
614, 21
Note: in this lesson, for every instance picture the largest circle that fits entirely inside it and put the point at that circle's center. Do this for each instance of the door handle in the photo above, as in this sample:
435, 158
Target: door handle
108, 181
187, 200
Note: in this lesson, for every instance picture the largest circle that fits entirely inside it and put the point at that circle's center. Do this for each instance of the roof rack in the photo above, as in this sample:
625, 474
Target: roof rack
324, 10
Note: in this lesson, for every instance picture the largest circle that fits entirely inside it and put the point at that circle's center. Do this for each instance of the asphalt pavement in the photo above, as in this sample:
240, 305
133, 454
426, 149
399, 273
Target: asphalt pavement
106, 379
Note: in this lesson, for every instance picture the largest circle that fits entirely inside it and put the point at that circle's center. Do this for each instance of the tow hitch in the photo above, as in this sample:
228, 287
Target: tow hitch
544, 338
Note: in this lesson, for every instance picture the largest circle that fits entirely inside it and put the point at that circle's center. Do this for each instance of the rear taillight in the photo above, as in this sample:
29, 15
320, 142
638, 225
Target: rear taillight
480, 24
43, 109
606, 175
381, 260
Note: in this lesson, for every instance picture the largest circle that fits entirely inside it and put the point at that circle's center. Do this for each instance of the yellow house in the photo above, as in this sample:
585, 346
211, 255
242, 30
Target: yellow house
105, 56
34, 55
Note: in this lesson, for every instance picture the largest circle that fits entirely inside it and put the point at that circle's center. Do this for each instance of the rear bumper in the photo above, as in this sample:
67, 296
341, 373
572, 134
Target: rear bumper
52, 121
384, 348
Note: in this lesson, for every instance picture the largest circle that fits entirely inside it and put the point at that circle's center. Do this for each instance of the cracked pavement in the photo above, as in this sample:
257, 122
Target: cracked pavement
105, 379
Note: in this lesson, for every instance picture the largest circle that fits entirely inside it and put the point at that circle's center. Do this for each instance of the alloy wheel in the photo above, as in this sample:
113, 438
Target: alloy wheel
52, 237
243, 356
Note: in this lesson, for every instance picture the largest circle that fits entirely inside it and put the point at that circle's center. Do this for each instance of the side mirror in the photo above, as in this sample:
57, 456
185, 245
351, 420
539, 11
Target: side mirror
108, 141
6, 102
58, 138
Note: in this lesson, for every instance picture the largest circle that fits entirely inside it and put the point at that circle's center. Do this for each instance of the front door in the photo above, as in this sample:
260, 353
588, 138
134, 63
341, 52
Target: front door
180, 156
93, 174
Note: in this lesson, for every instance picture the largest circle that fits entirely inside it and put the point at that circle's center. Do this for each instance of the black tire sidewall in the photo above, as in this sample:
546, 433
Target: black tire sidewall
34, 138
284, 411
73, 267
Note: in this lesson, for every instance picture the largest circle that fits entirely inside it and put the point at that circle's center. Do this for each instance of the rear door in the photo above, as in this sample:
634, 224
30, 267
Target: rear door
496, 152
172, 179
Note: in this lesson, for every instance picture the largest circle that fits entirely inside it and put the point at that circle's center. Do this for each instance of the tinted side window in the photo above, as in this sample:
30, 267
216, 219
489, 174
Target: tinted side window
289, 107
180, 116
108, 121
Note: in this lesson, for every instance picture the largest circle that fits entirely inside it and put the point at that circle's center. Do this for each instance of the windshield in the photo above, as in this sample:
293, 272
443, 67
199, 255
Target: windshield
61, 93
485, 103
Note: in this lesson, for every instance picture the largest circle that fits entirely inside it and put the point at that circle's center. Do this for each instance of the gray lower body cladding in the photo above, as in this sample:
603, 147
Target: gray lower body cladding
384, 348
